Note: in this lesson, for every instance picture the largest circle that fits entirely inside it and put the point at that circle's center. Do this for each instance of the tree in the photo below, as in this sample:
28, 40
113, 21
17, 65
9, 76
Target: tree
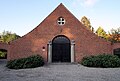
7, 37
86, 22
114, 35
100, 32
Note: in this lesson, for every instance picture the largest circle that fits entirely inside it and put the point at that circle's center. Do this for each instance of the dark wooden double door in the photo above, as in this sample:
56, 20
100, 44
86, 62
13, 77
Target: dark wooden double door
61, 50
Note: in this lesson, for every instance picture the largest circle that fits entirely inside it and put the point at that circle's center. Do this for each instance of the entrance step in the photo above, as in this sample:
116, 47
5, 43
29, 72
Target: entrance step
62, 63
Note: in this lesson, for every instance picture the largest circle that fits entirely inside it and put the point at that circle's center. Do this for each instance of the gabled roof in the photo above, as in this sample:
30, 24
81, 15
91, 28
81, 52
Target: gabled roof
50, 20
59, 11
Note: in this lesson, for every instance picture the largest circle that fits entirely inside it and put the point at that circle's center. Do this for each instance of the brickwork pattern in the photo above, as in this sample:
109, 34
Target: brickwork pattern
4, 46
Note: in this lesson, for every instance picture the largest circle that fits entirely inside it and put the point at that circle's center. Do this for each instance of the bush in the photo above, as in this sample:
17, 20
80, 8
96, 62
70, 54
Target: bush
105, 61
29, 62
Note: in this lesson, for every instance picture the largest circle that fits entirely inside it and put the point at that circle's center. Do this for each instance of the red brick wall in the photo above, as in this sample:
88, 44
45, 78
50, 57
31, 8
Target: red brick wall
115, 46
86, 42
4, 46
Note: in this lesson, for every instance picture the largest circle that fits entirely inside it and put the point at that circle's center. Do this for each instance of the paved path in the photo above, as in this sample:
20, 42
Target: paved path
59, 72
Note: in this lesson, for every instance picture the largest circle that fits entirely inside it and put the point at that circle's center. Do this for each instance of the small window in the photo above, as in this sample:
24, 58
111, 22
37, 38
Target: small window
61, 21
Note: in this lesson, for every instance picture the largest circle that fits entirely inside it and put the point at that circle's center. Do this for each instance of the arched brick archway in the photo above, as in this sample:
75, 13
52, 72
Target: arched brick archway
3, 54
61, 39
4, 48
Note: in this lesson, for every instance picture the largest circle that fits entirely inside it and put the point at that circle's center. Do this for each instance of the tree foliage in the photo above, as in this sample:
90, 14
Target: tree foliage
100, 32
86, 22
114, 35
7, 36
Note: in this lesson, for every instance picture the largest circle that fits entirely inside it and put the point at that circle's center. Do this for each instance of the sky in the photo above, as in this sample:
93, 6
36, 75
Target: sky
22, 16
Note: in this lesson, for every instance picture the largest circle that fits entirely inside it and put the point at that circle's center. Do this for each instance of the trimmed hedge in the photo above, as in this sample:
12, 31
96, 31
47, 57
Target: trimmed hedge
105, 61
29, 62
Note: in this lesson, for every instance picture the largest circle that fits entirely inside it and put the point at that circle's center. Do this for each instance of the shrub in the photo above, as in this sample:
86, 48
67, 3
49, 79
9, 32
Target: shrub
29, 62
104, 61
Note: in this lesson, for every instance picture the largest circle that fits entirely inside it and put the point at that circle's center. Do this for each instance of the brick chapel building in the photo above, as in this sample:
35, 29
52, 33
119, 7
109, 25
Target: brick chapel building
60, 37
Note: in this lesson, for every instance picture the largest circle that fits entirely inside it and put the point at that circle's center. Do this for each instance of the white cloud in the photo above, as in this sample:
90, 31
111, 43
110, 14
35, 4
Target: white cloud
85, 3
90, 2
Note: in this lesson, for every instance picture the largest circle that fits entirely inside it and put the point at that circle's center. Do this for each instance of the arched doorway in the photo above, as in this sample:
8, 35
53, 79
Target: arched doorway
61, 49
3, 54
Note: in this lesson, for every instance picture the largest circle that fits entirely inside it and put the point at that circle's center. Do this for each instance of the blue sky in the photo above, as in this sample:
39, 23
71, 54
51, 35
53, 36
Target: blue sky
21, 16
